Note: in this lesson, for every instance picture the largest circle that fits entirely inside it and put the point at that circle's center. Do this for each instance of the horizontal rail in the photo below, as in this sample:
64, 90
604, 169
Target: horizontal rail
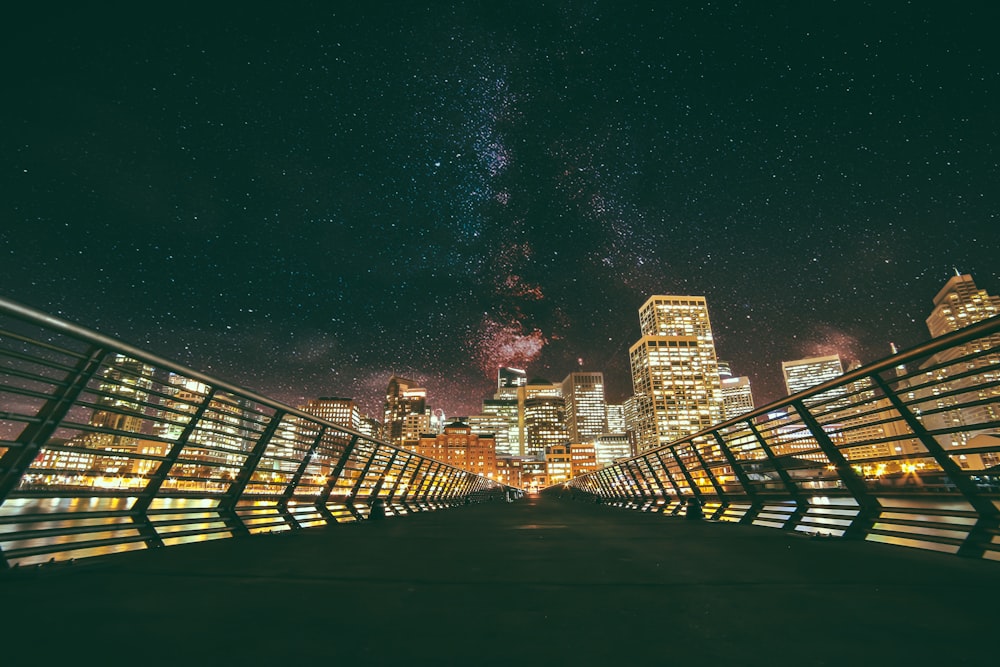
903, 451
105, 448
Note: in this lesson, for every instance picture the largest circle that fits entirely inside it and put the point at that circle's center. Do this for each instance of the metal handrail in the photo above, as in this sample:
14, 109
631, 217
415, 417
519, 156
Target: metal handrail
105, 447
905, 451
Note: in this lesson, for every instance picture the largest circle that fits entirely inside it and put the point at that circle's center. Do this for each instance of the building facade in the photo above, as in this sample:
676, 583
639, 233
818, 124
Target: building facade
541, 415
970, 367
406, 412
737, 397
675, 368
342, 411
460, 447
586, 409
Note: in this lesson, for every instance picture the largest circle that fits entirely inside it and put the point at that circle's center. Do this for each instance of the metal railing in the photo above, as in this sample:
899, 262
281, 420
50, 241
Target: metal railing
105, 448
904, 451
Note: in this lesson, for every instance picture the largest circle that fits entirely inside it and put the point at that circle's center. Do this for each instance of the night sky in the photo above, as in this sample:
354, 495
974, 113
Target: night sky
303, 199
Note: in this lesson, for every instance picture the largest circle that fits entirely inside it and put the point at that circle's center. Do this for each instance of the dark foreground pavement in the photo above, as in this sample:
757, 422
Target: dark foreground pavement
540, 581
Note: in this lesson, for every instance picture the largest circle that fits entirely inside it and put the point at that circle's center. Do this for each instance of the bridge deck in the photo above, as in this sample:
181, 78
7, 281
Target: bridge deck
532, 582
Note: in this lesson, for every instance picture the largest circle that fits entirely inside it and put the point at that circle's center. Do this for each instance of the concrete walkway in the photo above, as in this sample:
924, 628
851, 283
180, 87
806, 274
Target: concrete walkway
539, 581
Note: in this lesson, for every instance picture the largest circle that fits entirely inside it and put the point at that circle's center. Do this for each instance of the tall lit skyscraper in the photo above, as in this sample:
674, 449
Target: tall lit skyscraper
737, 398
222, 437
616, 417
500, 418
541, 413
586, 416
674, 365
125, 385
503, 414
957, 305
406, 412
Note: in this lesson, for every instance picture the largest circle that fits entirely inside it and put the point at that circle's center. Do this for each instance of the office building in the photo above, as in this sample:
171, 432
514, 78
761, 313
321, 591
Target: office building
674, 367
406, 412
737, 397
460, 447
499, 418
960, 303
508, 380
971, 367
342, 411
541, 413
586, 412
802, 374
610, 447
615, 417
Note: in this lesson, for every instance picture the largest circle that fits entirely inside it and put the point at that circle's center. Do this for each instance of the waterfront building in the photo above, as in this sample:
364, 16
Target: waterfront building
585, 409
675, 369
342, 411
406, 412
460, 447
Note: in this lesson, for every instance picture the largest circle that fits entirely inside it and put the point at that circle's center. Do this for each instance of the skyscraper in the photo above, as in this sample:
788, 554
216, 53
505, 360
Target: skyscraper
508, 380
406, 412
343, 411
586, 413
957, 305
802, 374
674, 366
737, 397
541, 414
500, 418
616, 417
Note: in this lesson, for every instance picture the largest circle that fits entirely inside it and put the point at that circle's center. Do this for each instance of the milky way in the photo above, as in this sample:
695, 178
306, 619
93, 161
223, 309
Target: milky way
304, 203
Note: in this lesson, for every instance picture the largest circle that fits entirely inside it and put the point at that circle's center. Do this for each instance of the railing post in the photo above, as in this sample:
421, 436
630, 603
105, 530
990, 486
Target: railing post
233, 495
656, 478
988, 519
431, 480
377, 489
447, 483
465, 486
695, 491
332, 479
801, 504
755, 506
289, 491
454, 476
719, 493
638, 487
666, 471
597, 482
399, 478
359, 481
140, 509
16, 460
409, 484
868, 506
613, 481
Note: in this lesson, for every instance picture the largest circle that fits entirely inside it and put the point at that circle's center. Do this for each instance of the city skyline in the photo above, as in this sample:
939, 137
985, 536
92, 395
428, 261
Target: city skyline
307, 204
